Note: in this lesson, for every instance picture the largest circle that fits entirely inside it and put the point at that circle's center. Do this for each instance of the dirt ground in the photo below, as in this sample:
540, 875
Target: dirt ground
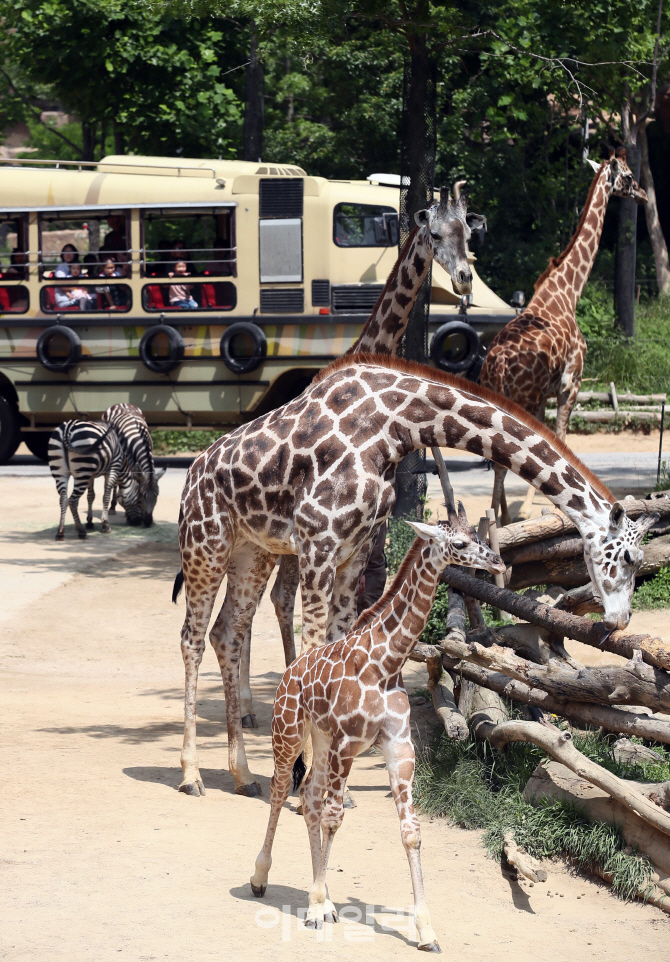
102, 858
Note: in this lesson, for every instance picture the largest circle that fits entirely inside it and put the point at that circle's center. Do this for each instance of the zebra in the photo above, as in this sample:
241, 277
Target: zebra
135, 439
86, 450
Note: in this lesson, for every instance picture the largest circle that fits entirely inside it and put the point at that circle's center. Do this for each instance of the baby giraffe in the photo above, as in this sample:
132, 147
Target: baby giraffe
349, 695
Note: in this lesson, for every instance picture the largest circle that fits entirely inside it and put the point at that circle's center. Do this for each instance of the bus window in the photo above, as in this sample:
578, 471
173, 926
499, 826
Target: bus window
203, 239
14, 299
75, 297
365, 225
207, 296
77, 238
13, 247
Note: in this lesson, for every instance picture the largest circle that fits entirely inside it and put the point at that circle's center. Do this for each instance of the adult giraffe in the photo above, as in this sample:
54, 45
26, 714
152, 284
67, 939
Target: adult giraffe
315, 479
441, 232
540, 354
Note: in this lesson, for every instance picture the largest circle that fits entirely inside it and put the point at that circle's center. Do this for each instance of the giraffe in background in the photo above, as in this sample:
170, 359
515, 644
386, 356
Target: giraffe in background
350, 695
315, 479
540, 354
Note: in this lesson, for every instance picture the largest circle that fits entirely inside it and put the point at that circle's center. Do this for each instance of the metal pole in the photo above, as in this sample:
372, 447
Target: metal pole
660, 444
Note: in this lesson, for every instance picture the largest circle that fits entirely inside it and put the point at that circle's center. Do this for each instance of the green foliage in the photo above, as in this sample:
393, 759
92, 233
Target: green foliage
398, 542
478, 787
654, 592
179, 442
595, 312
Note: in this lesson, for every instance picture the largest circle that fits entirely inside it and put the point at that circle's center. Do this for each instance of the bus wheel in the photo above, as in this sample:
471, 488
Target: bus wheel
58, 348
455, 347
37, 443
162, 349
243, 347
10, 433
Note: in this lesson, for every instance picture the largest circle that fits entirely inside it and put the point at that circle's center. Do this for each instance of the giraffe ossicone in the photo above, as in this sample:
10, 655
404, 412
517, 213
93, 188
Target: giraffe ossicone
540, 354
315, 478
349, 695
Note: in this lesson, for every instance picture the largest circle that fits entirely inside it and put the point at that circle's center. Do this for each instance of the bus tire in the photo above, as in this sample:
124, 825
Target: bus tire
59, 363
10, 433
243, 365
37, 443
162, 365
472, 347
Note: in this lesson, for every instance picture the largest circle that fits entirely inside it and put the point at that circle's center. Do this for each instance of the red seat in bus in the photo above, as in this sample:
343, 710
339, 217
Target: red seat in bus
50, 302
5, 304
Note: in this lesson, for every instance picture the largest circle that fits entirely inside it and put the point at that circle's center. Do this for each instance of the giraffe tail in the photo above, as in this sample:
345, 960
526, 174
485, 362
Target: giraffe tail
299, 771
178, 585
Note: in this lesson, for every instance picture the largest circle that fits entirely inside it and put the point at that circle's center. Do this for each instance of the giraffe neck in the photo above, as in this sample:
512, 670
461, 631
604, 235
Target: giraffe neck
383, 330
418, 407
569, 272
405, 606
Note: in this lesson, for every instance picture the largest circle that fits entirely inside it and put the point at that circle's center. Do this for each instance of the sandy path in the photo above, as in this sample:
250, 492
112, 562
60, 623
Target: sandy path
103, 859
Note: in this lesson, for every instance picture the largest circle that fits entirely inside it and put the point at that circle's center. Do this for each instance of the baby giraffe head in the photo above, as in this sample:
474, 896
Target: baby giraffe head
454, 542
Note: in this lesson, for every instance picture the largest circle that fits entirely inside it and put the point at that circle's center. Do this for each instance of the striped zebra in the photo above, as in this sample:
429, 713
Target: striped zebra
135, 439
85, 450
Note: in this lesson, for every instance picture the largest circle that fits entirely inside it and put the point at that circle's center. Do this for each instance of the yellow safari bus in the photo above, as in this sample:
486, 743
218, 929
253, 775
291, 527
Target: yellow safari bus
205, 292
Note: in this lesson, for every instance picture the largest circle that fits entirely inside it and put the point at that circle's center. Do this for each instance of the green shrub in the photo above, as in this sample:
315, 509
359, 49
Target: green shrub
175, 442
595, 311
654, 592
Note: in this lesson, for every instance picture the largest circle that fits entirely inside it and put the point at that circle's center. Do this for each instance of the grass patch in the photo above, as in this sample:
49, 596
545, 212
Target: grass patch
176, 442
654, 592
479, 788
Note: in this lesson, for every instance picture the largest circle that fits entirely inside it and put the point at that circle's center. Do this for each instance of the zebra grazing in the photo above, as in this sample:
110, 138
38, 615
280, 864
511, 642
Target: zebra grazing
135, 439
86, 450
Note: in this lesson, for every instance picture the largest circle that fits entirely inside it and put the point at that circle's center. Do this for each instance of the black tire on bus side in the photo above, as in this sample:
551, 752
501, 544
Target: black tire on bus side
162, 365
466, 357
10, 431
37, 443
239, 365
60, 362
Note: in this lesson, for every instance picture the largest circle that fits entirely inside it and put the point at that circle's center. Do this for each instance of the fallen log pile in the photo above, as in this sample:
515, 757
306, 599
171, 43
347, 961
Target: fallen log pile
474, 673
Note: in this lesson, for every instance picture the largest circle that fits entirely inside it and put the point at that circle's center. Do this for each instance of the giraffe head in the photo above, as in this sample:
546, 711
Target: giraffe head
613, 556
620, 176
448, 227
454, 542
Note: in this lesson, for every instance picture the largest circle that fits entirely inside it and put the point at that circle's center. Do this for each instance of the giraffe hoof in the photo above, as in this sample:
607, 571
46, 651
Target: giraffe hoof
258, 890
249, 721
348, 801
195, 788
430, 947
331, 917
298, 809
253, 790
81, 533
314, 924
106, 527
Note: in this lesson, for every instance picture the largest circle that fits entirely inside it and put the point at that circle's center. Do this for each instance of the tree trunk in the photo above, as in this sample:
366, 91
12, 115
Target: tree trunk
252, 148
88, 140
626, 250
119, 139
656, 237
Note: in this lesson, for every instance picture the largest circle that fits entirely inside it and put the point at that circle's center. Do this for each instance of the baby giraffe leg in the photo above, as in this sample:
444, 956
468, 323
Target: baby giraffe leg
340, 759
311, 801
280, 786
399, 755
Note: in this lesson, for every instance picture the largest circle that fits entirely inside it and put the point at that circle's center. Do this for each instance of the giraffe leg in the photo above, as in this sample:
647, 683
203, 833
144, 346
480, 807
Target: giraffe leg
77, 491
398, 752
499, 501
246, 703
527, 507
90, 494
567, 395
311, 800
343, 612
61, 487
282, 596
340, 758
288, 736
202, 578
248, 572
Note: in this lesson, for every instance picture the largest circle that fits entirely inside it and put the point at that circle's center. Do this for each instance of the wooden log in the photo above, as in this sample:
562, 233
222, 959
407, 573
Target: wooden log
524, 863
548, 550
580, 601
654, 651
555, 782
560, 746
571, 572
554, 523
632, 684
605, 397
602, 417
526, 641
582, 713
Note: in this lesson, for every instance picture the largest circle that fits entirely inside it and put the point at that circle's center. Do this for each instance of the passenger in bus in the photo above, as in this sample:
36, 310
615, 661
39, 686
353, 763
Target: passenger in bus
74, 296
115, 239
177, 255
163, 262
91, 265
69, 255
180, 294
112, 295
221, 265
17, 265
